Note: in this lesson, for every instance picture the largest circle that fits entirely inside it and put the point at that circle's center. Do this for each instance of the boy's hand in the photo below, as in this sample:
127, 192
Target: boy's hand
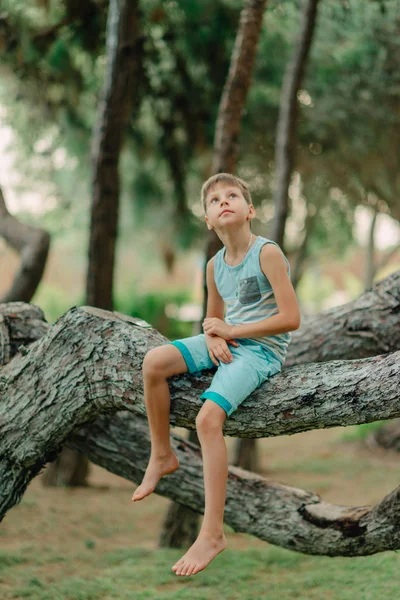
218, 349
214, 326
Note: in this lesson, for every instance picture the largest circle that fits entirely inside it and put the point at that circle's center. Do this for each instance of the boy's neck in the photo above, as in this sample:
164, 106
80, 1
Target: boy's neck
237, 243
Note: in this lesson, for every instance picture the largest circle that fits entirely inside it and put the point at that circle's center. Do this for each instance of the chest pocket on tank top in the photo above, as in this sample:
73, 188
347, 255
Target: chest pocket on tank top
249, 290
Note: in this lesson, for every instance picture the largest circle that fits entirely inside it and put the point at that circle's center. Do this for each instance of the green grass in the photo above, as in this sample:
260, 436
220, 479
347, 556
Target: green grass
271, 573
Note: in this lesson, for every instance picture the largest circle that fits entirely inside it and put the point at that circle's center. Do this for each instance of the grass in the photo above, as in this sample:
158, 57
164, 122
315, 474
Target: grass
93, 543
141, 573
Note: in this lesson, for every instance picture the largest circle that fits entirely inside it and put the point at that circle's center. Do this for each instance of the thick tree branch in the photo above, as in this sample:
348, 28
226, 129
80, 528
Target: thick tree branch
89, 363
283, 515
364, 327
32, 243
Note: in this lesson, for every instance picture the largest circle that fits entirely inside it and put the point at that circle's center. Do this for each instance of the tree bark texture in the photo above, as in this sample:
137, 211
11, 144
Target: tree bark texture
20, 325
89, 364
363, 327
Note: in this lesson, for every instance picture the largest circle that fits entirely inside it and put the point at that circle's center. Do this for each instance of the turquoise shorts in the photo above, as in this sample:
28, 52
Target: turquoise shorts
252, 364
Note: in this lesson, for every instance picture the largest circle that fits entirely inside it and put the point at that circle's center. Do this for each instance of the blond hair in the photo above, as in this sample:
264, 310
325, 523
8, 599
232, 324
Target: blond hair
225, 178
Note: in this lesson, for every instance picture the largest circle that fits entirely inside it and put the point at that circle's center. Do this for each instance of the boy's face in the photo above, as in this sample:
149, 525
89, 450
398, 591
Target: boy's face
226, 206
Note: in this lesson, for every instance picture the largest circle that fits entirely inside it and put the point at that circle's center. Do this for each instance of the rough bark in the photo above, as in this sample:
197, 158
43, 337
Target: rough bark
20, 325
363, 327
286, 129
32, 244
89, 364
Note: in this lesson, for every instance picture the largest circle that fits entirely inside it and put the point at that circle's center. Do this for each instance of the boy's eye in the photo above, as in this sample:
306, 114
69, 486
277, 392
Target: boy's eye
212, 199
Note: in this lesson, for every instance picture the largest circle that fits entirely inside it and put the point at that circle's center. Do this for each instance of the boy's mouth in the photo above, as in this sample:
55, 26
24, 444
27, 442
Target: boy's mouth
225, 211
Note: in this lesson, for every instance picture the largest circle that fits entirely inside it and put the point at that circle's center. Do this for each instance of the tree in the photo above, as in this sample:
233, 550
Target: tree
287, 123
32, 243
119, 95
80, 384
181, 524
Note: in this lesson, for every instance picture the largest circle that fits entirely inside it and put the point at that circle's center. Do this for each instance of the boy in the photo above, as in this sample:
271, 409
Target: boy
252, 276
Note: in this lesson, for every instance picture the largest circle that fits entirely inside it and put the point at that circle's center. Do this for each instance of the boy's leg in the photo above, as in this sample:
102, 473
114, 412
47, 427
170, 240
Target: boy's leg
159, 364
211, 539
231, 385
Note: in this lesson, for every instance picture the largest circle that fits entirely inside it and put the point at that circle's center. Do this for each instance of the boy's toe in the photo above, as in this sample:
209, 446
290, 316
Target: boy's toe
196, 569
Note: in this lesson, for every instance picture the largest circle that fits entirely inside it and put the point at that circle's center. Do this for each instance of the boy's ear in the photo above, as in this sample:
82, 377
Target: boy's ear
208, 224
252, 212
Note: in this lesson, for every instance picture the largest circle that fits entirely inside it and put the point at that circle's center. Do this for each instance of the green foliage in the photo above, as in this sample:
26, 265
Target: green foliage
53, 301
313, 288
349, 123
58, 57
151, 308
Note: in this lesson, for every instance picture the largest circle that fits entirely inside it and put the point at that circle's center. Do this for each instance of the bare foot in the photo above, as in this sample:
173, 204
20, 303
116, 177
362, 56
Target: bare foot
156, 469
200, 554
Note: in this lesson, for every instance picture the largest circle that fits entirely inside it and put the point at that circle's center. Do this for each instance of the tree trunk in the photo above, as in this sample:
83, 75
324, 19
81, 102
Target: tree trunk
32, 244
387, 436
369, 263
81, 384
69, 469
313, 210
181, 524
124, 63
233, 100
124, 57
245, 451
226, 146
286, 129
366, 326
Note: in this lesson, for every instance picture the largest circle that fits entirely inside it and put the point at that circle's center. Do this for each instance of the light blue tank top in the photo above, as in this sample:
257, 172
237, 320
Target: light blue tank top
248, 295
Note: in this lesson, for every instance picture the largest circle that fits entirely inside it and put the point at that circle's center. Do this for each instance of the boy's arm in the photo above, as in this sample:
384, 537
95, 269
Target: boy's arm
274, 267
215, 303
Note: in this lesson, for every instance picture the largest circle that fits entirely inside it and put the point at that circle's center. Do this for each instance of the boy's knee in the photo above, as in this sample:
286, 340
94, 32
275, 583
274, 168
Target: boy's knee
163, 361
210, 418
153, 362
